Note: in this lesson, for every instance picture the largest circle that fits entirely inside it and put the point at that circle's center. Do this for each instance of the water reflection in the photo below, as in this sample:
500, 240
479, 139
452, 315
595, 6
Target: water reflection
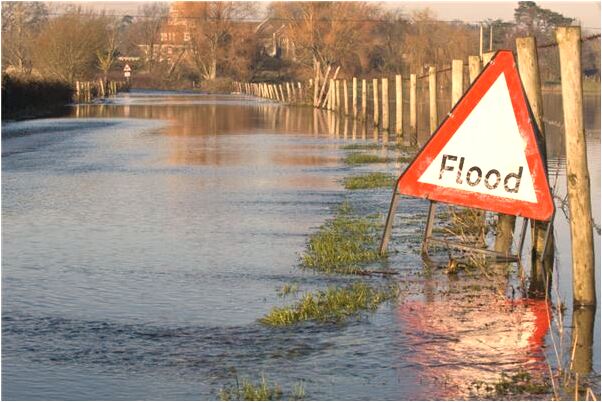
463, 342
583, 338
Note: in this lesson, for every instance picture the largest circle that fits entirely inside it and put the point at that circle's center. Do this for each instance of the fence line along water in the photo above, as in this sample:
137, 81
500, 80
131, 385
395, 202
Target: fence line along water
86, 91
324, 92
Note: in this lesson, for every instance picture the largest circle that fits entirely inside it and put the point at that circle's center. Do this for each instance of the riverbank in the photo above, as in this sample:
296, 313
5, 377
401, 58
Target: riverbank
29, 97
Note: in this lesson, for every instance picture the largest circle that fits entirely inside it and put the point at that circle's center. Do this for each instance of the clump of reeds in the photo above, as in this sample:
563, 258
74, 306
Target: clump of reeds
343, 243
331, 305
369, 180
358, 158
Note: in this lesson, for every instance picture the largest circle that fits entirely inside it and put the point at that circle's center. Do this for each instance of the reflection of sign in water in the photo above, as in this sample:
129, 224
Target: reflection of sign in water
467, 341
127, 71
485, 154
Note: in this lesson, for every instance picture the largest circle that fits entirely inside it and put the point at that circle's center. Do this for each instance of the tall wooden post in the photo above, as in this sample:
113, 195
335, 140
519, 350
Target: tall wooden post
354, 94
490, 38
457, 81
345, 99
474, 67
413, 110
364, 99
338, 94
433, 113
578, 187
385, 103
398, 106
316, 84
375, 111
541, 271
481, 41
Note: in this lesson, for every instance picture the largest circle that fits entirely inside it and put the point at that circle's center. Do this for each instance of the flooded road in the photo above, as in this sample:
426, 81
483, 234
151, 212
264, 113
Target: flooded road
143, 239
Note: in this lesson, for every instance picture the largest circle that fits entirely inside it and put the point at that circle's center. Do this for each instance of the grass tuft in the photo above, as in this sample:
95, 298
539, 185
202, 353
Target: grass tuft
248, 391
331, 305
358, 158
288, 289
370, 180
343, 243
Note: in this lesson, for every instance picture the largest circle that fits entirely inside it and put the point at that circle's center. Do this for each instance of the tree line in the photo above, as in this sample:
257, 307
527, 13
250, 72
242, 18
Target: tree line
234, 40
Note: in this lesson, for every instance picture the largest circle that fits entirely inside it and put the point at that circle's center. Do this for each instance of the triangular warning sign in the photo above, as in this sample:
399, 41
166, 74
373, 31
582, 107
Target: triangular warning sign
485, 154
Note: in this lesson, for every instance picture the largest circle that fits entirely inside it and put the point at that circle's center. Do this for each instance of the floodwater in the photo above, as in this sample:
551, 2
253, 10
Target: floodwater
144, 238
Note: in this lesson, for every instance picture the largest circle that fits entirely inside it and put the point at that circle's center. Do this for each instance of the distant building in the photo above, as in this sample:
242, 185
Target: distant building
174, 44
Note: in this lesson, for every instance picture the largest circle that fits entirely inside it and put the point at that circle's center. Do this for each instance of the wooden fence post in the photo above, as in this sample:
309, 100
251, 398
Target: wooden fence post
354, 94
385, 101
413, 110
375, 111
487, 57
433, 112
324, 83
578, 186
364, 99
474, 67
457, 81
541, 268
345, 99
282, 92
481, 40
398, 106
338, 93
316, 84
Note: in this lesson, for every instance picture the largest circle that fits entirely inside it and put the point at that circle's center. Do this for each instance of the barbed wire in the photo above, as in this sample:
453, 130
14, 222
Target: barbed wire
555, 44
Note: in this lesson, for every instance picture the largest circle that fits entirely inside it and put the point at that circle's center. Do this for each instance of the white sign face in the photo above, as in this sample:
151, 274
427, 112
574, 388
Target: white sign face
127, 68
486, 154
127, 74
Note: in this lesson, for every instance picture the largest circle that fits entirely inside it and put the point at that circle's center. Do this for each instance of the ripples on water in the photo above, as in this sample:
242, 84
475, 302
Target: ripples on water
143, 239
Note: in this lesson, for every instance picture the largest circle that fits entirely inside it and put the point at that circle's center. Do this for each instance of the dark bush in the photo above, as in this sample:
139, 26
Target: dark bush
32, 97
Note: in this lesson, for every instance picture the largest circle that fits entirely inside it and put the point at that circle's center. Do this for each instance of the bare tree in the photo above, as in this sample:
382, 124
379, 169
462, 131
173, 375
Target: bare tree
21, 22
66, 47
114, 34
216, 28
145, 32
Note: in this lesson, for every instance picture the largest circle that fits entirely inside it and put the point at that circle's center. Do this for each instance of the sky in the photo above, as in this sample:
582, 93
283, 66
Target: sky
587, 12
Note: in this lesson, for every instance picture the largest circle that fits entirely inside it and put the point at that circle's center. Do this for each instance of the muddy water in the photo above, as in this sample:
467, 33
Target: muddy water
143, 239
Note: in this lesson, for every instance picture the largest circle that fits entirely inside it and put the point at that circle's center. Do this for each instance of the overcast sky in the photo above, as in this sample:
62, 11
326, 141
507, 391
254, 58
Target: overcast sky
588, 12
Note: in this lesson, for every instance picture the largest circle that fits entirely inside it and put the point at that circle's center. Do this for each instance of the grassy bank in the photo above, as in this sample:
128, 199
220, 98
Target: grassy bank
30, 97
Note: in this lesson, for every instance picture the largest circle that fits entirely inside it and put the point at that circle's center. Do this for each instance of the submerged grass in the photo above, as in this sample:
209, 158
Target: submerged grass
351, 147
331, 305
370, 180
246, 390
519, 384
358, 158
343, 243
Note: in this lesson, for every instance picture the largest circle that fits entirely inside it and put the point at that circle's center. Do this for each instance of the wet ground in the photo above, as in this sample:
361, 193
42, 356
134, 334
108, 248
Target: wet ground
142, 240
